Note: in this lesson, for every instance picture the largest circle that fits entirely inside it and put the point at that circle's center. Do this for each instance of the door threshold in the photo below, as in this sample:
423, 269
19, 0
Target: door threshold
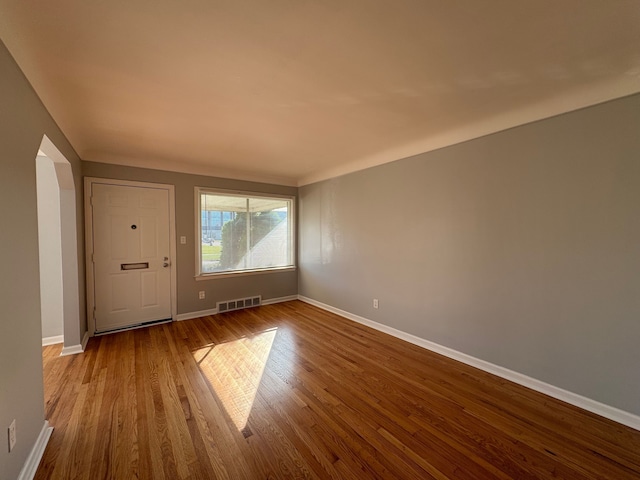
134, 327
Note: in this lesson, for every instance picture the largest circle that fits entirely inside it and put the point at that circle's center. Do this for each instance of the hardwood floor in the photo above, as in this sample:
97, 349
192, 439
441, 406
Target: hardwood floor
291, 391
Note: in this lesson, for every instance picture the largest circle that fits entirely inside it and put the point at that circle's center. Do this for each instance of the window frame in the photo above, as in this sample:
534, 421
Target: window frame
291, 220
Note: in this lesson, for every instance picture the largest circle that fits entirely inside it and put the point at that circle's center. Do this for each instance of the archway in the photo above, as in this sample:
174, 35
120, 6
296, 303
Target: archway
58, 246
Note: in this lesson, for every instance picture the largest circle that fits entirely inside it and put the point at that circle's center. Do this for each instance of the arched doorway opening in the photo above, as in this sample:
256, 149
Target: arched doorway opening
58, 249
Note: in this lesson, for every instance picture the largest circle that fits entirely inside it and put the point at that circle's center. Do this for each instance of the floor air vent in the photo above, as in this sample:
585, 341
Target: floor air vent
239, 303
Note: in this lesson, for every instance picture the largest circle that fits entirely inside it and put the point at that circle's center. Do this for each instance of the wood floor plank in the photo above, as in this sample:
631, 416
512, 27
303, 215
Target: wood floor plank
292, 391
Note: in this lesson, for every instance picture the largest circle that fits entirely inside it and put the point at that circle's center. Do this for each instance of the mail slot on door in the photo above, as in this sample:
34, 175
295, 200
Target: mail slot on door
134, 266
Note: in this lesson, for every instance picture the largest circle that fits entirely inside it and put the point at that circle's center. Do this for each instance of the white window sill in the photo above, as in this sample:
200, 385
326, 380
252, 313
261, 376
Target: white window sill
242, 273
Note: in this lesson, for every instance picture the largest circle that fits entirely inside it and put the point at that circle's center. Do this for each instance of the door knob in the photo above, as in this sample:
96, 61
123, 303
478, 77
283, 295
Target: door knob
165, 264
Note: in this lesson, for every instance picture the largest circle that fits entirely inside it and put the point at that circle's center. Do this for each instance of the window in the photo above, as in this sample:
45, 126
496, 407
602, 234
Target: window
243, 233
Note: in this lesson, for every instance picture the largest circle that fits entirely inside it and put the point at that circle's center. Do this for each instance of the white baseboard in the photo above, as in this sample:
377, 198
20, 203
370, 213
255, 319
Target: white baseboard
202, 313
33, 460
85, 339
612, 413
52, 340
214, 311
75, 349
271, 301
72, 350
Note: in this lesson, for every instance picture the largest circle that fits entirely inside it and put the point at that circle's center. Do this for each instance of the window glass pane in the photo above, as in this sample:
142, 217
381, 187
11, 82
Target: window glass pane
244, 233
269, 245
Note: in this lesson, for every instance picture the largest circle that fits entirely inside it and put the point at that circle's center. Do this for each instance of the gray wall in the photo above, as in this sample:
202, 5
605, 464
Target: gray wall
23, 122
520, 248
269, 285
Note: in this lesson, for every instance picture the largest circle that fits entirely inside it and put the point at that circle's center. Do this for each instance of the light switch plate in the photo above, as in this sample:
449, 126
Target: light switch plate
12, 435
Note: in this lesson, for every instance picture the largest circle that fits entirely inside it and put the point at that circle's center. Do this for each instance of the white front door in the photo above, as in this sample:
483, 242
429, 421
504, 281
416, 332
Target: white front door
131, 255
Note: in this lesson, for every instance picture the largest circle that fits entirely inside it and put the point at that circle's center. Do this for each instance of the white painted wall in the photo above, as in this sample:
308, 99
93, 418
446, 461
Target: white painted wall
73, 331
50, 248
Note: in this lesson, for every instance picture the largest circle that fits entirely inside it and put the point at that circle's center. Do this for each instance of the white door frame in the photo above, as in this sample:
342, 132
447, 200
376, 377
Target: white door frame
88, 184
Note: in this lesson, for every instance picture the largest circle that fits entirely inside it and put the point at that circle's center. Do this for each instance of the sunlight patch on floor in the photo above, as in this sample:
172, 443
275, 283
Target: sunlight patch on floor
234, 370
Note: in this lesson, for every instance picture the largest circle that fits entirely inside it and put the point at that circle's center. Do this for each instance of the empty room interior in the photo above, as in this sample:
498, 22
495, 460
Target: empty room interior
337, 239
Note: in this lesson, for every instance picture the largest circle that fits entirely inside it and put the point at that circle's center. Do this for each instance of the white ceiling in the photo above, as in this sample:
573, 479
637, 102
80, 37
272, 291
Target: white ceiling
294, 91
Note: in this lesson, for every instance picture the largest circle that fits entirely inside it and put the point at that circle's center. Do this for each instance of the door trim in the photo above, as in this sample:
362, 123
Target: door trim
88, 216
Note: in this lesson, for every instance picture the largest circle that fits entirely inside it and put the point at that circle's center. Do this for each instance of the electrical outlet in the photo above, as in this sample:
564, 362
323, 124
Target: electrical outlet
12, 435
375, 303
201, 294
183, 240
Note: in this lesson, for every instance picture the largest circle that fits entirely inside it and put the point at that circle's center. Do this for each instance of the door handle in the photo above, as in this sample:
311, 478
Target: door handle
166, 264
